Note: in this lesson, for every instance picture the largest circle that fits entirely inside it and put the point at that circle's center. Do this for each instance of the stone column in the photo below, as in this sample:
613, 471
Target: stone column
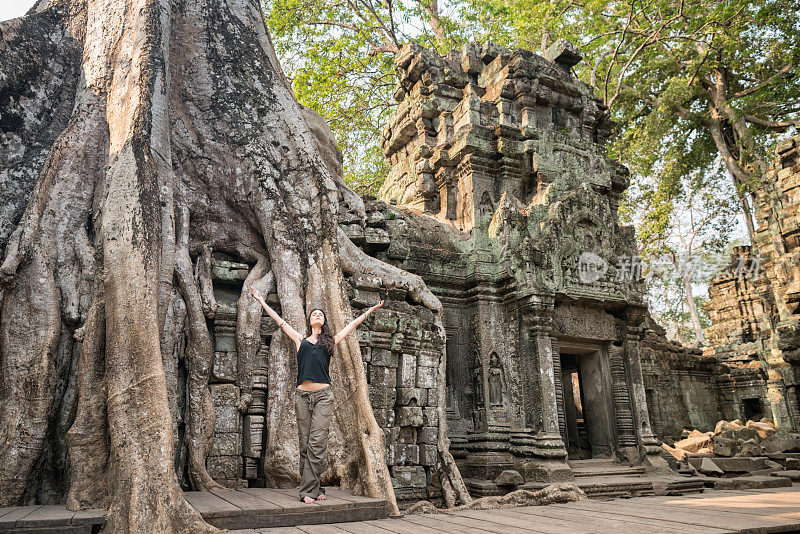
626, 438
649, 445
540, 456
778, 401
562, 422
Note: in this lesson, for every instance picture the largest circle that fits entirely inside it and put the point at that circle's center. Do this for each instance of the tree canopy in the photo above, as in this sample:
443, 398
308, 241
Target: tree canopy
339, 56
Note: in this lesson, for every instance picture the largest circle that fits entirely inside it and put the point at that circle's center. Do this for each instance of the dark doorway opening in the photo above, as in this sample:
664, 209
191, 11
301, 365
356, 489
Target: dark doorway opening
752, 409
588, 415
578, 444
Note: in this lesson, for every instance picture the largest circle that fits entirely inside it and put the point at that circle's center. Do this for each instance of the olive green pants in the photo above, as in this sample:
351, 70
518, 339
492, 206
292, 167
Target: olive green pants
314, 410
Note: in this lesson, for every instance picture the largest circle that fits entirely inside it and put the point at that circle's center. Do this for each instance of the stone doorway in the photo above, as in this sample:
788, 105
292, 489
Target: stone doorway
587, 405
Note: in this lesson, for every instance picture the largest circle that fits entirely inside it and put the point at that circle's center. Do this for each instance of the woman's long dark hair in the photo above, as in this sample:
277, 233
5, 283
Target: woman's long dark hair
325, 336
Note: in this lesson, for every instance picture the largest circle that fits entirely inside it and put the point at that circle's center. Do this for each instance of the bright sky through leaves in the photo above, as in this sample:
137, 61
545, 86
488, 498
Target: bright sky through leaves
10, 9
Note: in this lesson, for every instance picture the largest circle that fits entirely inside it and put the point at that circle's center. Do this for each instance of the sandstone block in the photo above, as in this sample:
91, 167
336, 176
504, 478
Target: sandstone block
745, 434
409, 476
426, 377
224, 466
364, 299
428, 359
695, 441
782, 441
376, 237
226, 444
509, 477
224, 367
431, 397
430, 417
385, 357
708, 467
428, 435
411, 396
382, 397
407, 371
384, 321
224, 394
382, 377
791, 474
227, 419
355, 232
723, 446
428, 455
384, 417
764, 430
750, 448
403, 454
409, 416
751, 482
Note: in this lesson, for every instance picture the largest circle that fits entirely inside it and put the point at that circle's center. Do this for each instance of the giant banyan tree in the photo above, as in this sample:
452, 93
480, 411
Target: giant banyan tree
138, 136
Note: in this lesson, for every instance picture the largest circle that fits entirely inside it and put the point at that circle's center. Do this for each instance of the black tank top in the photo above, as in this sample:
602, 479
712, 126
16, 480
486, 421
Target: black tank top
313, 363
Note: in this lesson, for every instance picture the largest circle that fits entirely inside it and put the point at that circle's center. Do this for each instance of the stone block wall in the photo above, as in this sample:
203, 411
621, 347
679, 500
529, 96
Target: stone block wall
754, 304
401, 347
238, 437
680, 385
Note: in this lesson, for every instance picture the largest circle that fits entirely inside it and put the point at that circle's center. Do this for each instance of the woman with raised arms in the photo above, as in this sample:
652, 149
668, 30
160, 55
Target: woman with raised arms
314, 394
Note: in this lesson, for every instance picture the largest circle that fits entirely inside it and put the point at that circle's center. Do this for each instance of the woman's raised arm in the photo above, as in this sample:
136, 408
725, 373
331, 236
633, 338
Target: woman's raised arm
354, 323
293, 334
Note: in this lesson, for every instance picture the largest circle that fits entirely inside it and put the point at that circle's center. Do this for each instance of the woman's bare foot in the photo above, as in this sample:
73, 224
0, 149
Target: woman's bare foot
321, 497
308, 500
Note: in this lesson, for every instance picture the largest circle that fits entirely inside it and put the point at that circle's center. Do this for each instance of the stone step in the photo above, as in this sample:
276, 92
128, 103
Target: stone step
601, 488
607, 471
248, 508
748, 482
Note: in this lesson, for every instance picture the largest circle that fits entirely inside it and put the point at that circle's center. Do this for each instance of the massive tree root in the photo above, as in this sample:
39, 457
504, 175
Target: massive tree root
183, 137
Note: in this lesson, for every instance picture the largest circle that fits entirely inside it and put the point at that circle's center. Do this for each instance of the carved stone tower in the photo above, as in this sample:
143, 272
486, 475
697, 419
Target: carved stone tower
505, 150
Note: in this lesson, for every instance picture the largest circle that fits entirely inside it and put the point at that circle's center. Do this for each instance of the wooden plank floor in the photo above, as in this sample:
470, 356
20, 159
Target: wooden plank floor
230, 509
713, 512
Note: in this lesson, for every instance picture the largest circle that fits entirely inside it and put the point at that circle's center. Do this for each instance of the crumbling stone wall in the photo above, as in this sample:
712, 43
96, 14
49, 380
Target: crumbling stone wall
681, 385
499, 188
756, 324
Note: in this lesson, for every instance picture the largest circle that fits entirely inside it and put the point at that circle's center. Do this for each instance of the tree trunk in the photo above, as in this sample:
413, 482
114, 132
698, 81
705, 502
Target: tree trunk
692, 305
732, 151
739, 176
182, 136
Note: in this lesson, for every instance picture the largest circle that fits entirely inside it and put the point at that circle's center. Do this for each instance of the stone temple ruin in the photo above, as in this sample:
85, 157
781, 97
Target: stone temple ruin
501, 197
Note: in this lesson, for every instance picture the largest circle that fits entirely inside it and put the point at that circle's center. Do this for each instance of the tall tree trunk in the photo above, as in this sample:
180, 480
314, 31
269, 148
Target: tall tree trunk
184, 136
740, 177
734, 142
692, 305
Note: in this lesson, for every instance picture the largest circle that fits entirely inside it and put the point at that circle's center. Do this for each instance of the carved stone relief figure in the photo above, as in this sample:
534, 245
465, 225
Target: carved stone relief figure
496, 381
477, 379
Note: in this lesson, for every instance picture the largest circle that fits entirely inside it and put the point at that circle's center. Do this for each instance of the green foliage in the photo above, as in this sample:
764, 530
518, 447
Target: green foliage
339, 57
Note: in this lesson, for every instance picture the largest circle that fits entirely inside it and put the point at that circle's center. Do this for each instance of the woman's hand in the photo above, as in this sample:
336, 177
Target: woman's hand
355, 322
256, 294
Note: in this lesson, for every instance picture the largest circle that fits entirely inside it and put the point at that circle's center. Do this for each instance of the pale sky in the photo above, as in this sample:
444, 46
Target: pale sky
10, 9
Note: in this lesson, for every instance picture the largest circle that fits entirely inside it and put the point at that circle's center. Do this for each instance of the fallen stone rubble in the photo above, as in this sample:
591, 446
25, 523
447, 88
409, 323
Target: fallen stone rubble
737, 455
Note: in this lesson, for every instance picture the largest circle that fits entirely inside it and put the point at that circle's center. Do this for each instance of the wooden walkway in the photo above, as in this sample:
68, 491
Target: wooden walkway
231, 509
713, 512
